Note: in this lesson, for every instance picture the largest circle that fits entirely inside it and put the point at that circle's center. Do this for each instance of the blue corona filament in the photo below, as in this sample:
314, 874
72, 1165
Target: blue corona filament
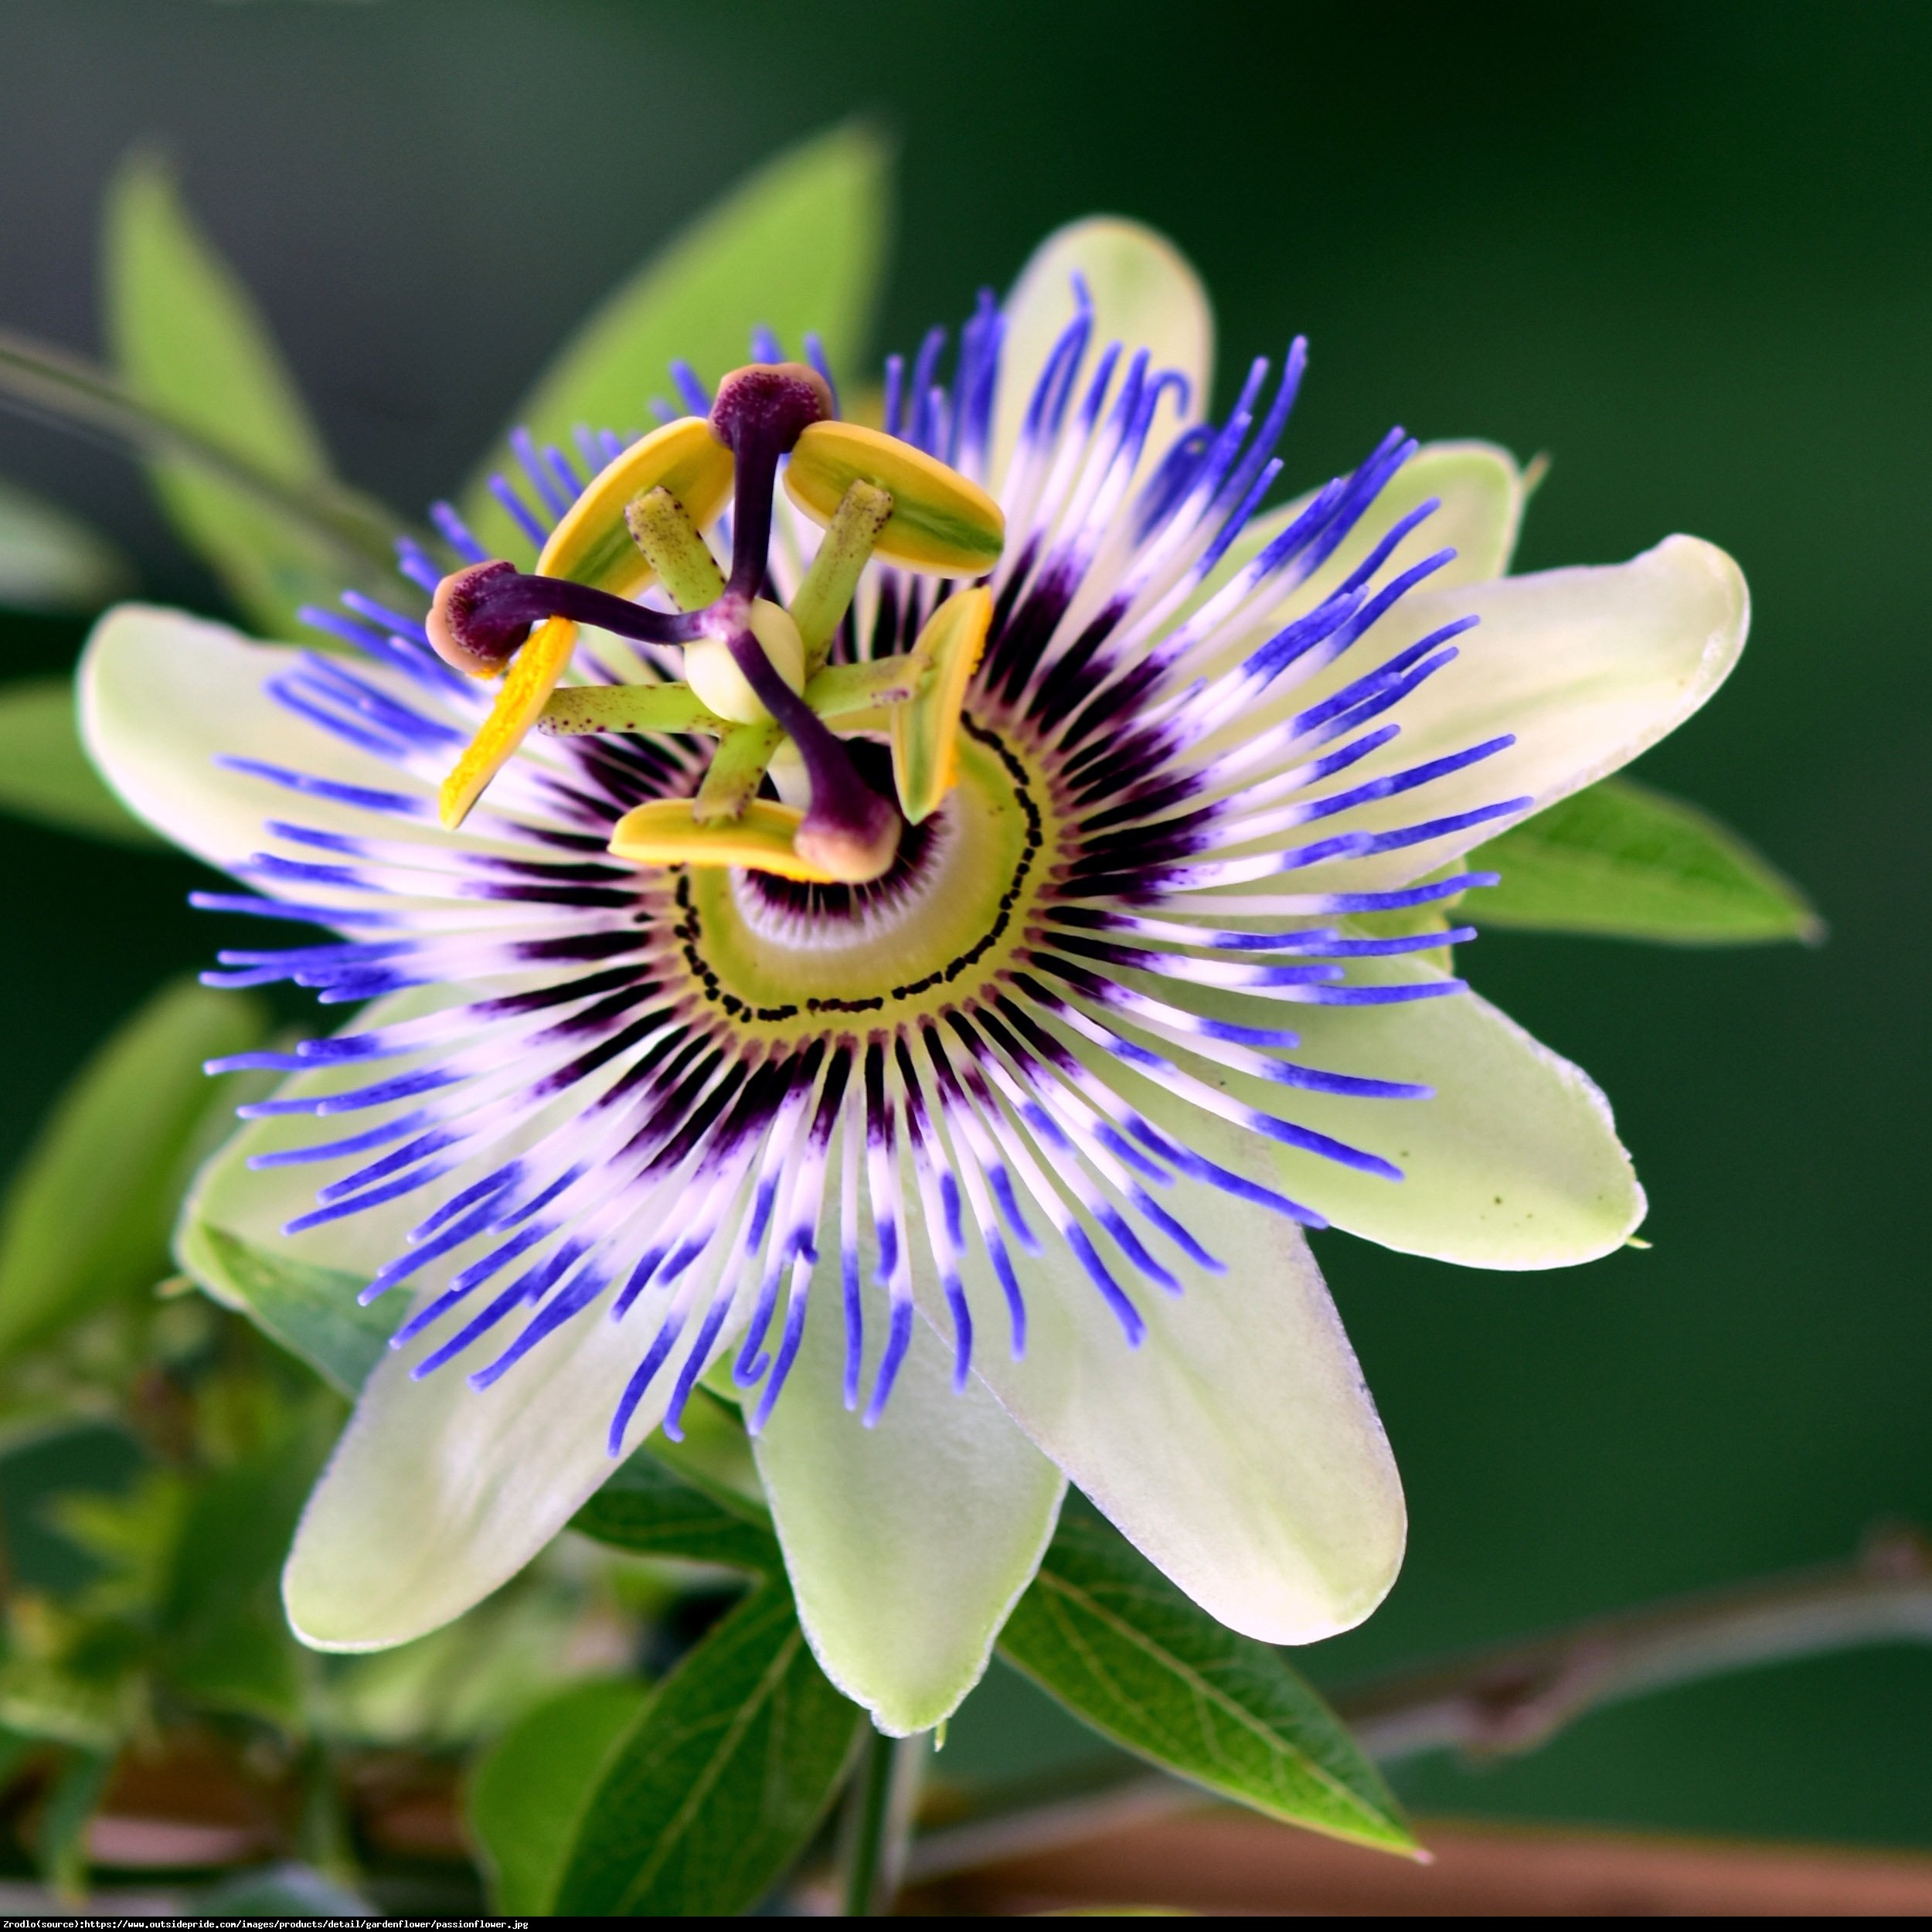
584, 1144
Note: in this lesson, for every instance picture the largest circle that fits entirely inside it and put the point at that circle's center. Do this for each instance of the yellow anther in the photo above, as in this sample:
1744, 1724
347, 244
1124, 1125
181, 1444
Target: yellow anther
592, 545
666, 832
925, 730
941, 522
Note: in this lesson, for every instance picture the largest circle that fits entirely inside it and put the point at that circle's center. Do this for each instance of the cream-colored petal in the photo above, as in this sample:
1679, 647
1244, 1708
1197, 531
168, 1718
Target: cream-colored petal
1237, 1446
907, 1543
1514, 1163
1586, 668
1145, 295
438, 1494
163, 696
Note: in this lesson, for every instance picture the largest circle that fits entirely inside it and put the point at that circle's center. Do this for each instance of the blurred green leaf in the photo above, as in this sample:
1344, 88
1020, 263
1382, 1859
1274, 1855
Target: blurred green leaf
56, 384
721, 1780
16, 1748
647, 1508
712, 1452
190, 341
470, 1679
46, 777
226, 1640
800, 246
50, 560
60, 1847
1623, 862
1108, 1635
311, 1311
527, 1791
88, 1213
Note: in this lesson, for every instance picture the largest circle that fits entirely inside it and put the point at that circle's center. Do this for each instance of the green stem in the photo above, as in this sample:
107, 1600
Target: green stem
1517, 1696
871, 1824
50, 383
827, 592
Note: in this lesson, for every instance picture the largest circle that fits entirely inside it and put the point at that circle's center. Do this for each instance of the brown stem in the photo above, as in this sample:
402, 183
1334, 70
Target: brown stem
1515, 1696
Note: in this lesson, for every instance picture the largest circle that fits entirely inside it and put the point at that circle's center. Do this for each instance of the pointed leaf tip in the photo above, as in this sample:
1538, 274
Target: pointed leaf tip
797, 247
1622, 861
190, 340
1127, 1653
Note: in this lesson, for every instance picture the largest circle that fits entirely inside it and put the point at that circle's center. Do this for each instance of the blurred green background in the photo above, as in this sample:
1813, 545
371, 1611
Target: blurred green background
1684, 250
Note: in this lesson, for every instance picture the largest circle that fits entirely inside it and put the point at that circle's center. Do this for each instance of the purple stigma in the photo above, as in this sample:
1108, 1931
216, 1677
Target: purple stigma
481, 615
761, 411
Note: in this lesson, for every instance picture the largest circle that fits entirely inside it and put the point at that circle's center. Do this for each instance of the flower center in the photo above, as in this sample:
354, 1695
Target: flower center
947, 917
639, 521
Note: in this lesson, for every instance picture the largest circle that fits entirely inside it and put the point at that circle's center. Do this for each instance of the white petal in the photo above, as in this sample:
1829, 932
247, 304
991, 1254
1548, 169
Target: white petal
163, 696
1237, 1446
1514, 1163
908, 1543
1145, 295
438, 1494
1587, 668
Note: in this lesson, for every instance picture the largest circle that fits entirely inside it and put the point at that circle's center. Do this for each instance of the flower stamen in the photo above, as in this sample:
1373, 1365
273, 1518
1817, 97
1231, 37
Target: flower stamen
747, 660
671, 545
830, 583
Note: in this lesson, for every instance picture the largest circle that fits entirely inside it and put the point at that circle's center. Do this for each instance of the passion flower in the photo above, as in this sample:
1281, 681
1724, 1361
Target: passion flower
933, 964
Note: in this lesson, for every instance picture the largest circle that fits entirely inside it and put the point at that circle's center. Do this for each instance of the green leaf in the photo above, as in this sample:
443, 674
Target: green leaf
226, 1640
799, 246
61, 1843
311, 1311
55, 385
87, 1216
470, 1680
526, 1793
190, 341
1624, 862
1108, 1635
46, 777
647, 1509
52, 561
721, 1781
